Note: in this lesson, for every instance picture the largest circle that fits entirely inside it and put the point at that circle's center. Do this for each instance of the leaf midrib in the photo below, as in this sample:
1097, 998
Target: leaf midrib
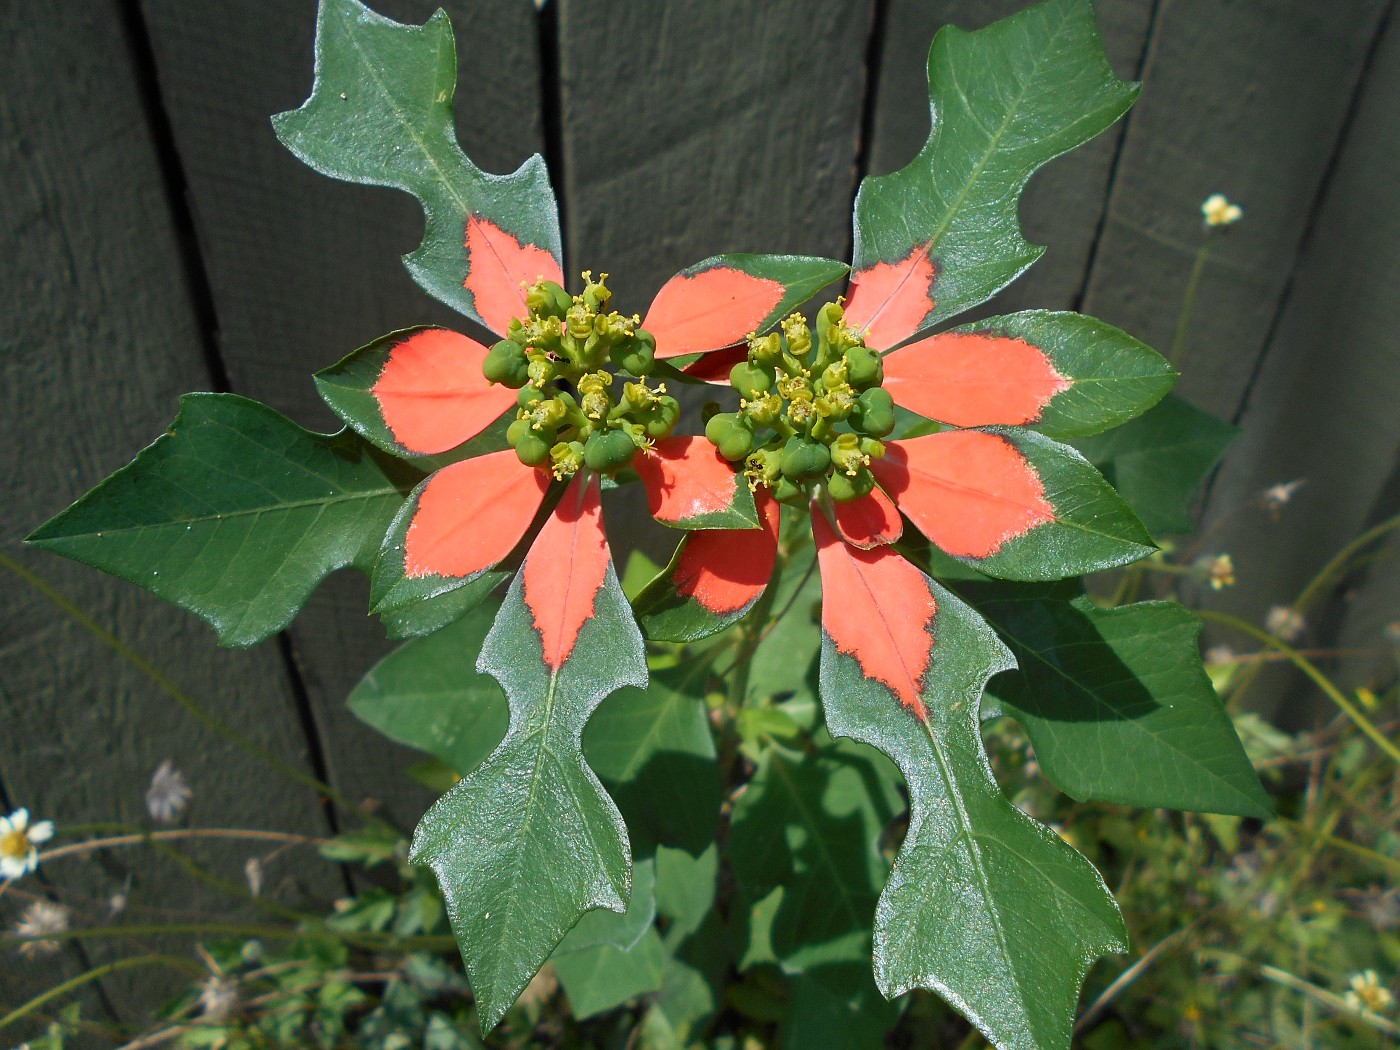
366, 495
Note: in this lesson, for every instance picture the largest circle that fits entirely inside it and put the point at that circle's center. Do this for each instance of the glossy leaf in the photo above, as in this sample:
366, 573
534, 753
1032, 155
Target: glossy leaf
719, 301
236, 514
529, 841
943, 233
380, 112
454, 530
985, 906
417, 392
712, 581
1012, 503
1116, 702
1063, 373
810, 824
1158, 461
655, 750
428, 694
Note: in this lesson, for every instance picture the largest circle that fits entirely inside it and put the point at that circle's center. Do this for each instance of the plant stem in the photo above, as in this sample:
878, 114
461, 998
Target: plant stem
96, 974
169, 687
1127, 977
80, 848
1339, 561
1188, 303
1310, 669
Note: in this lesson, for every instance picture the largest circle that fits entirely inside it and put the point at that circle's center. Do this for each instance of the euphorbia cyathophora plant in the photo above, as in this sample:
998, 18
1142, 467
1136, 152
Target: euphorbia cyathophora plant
463, 466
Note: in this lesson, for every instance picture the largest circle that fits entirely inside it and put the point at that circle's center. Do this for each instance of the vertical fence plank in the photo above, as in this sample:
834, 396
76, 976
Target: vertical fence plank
696, 127
1324, 407
704, 126
1244, 99
1063, 202
100, 339
302, 269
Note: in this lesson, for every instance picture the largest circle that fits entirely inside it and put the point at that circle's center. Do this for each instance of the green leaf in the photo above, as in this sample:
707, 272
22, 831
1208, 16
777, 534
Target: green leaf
836, 1007
607, 928
601, 978
985, 906
810, 824
347, 387
1116, 702
1112, 376
1158, 461
529, 841
1005, 100
609, 958
427, 694
380, 112
656, 752
1093, 528
236, 514
415, 605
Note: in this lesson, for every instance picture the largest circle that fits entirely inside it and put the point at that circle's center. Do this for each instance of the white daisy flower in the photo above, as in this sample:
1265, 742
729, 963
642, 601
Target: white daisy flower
42, 919
1367, 993
168, 793
19, 842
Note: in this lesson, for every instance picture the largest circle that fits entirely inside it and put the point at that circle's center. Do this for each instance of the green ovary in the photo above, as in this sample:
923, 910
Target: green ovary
572, 410
812, 411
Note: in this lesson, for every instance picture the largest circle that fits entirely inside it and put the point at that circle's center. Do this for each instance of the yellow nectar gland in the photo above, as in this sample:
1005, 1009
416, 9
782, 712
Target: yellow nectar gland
561, 358
812, 410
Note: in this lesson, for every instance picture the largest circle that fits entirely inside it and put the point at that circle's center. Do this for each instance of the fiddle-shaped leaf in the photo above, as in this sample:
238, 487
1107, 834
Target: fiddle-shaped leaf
1116, 702
236, 514
943, 233
380, 112
529, 841
990, 909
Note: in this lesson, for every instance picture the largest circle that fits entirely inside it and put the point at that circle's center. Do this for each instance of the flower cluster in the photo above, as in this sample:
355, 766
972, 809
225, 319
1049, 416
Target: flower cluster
556, 356
812, 411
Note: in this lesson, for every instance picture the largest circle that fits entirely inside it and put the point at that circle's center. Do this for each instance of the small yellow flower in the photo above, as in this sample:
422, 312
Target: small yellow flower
1218, 211
19, 841
1220, 570
1367, 993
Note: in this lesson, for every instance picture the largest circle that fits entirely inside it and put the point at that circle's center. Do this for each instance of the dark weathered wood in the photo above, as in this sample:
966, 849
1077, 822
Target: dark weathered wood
100, 340
1324, 407
698, 127
303, 269
1245, 99
1064, 202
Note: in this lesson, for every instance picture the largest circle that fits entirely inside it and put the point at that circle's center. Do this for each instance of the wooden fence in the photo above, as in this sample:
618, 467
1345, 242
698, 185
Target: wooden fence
158, 239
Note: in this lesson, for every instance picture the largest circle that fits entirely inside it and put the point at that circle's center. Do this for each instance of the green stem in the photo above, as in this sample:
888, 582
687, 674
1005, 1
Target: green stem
1334, 567
1310, 669
140, 838
1188, 303
169, 687
750, 636
1340, 843
97, 974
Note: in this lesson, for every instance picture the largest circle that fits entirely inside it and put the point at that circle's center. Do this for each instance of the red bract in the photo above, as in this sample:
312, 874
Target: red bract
465, 518
973, 489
